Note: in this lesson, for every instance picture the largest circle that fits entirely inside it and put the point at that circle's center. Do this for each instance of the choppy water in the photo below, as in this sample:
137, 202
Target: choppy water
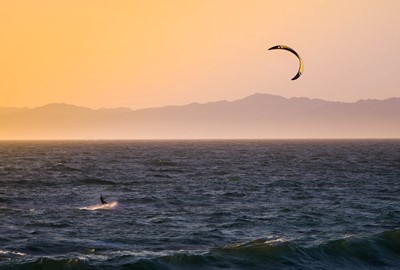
200, 205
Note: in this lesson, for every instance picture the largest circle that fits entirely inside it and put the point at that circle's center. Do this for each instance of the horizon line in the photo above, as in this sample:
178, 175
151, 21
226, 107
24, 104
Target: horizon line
211, 139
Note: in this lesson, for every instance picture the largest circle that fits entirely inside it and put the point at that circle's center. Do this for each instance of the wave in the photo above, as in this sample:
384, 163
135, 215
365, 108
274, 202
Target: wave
64, 168
10, 253
161, 163
48, 263
96, 181
381, 251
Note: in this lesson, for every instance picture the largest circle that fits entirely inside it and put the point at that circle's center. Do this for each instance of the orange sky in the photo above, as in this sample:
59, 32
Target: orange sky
137, 54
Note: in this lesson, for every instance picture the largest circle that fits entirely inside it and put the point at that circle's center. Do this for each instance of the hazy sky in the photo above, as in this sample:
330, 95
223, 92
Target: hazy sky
137, 54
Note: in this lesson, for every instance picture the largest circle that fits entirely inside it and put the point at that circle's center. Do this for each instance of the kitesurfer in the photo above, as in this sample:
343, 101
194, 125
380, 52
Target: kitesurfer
102, 200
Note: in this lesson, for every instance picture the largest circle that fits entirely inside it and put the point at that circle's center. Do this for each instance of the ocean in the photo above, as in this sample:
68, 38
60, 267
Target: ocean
245, 204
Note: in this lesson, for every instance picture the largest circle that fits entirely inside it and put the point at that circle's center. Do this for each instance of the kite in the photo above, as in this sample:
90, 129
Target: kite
301, 65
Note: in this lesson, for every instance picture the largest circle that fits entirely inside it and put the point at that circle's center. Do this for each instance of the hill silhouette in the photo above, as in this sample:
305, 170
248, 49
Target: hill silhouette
259, 116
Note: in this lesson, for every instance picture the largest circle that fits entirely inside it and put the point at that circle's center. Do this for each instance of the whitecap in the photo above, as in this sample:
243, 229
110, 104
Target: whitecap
4, 253
108, 206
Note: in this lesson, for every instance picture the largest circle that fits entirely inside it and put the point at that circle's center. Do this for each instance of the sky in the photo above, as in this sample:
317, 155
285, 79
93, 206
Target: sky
153, 53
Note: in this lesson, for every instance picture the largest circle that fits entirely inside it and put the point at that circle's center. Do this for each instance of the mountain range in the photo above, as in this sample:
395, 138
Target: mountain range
259, 116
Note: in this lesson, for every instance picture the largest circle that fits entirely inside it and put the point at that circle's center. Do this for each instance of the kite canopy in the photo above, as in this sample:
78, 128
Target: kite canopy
301, 66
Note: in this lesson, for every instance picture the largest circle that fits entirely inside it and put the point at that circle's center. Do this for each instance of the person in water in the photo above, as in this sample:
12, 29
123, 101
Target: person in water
102, 200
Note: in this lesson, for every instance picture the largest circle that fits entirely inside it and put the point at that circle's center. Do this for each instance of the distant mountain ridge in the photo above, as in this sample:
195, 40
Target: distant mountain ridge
259, 116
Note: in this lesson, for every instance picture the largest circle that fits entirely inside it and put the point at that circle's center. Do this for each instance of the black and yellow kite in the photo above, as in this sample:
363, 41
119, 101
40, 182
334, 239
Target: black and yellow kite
301, 66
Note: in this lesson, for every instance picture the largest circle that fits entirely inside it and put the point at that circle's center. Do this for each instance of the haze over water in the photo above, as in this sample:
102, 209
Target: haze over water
285, 204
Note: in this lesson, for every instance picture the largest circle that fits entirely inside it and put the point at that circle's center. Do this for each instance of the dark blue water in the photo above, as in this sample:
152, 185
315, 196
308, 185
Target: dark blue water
200, 205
